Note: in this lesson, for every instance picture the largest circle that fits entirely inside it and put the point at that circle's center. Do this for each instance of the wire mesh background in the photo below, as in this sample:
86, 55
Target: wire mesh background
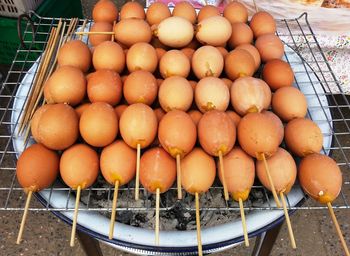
296, 33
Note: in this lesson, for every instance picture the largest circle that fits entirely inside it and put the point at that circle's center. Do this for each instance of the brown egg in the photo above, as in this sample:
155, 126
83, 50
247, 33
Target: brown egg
140, 87
177, 133
105, 86
109, 55
274, 118
208, 11
207, 61
118, 163
105, 11
100, 27
79, 166
188, 52
81, 108
197, 171
222, 50
249, 94
239, 63
193, 85
175, 93
132, 10
259, 133
37, 168
228, 82
239, 173
55, 125
196, 116
211, 93
125, 31
160, 52
278, 73
99, 124
241, 34
303, 137
216, 133
74, 53
234, 117
320, 177
270, 47
185, 10
157, 170
66, 85
262, 23
253, 51
119, 110
138, 125
214, 31
157, 12
175, 32
142, 56
174, 63
159, 113
289, 103
283, 171
236, 12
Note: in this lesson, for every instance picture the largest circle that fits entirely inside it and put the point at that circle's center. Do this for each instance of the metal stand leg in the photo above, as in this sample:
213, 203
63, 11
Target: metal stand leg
264, 243
90, 245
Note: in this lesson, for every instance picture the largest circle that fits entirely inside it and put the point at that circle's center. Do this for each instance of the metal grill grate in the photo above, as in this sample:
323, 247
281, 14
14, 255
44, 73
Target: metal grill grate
296, 33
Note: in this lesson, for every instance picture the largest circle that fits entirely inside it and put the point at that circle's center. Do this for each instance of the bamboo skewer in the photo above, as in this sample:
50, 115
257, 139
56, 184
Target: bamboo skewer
198, 223
244, 224
278, 203
178, 177
289, 225
83, 28
114, 209
75, 217
113, 35
25, 213
137, 181
157, 215
41, 78
24, 118
222, 170
337, 227
255, 6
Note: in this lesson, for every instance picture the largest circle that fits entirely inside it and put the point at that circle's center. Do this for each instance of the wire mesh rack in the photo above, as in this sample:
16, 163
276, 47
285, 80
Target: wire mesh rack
296, 34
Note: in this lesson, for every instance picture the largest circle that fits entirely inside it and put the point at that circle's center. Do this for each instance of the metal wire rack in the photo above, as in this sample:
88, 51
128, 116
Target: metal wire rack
296, 33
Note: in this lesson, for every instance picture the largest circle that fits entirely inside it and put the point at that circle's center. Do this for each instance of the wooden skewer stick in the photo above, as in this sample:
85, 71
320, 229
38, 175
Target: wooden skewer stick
178, 177
278, 203
114, 209
244, 224
75, 217
83, 27
255, 6
94, 33
25, 213
289, 225
198, 223
222, 170
337, 227
157, 215
113, 35
137, 181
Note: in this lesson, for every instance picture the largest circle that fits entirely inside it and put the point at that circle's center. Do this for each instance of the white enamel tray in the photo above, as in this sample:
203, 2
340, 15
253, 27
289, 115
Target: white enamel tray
216, 238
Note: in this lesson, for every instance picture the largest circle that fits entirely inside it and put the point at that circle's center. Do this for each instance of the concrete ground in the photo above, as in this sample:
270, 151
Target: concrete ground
47, 235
